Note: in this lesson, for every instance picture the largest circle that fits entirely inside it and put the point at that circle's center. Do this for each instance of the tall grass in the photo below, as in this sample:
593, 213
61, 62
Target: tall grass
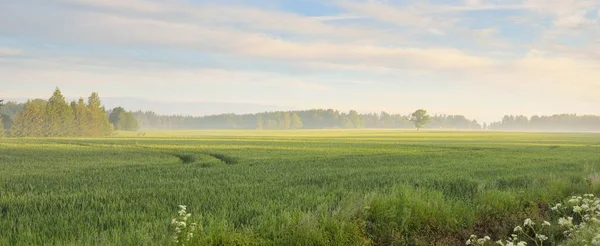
287, 188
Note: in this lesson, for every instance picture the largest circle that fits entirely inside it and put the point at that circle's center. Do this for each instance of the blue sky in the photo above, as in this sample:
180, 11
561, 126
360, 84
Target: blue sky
480, 58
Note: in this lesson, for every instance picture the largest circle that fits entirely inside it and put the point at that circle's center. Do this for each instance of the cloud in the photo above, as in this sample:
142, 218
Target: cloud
436, 32
51, 69
570, 14
360, 46
574, 21
245, 17
387, 13
130, 31
9, 52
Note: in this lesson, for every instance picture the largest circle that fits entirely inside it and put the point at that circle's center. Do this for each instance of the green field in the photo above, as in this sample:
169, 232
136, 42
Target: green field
321, 187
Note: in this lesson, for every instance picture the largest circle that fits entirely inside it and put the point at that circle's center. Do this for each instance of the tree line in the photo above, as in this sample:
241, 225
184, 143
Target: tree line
300, 119
57, 118
557, 122
329, 118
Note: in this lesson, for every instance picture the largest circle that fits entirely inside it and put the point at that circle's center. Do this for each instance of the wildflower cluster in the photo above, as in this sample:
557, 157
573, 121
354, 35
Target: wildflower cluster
184, 232
578, 215
528, 231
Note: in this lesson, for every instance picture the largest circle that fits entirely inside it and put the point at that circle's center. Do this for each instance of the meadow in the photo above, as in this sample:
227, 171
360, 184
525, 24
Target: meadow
309, 187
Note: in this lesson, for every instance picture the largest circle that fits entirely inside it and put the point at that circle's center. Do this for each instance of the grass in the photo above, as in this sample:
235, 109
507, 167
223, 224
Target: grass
320, 187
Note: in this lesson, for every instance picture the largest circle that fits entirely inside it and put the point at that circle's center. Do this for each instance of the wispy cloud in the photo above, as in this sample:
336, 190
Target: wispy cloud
547, 48
9, 52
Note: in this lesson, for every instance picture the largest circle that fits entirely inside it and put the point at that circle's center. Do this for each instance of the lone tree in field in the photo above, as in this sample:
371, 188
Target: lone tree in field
420, 118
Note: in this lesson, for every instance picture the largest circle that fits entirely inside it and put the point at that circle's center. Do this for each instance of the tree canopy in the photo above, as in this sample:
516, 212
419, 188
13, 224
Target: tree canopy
123, 120
56, 118
420, 118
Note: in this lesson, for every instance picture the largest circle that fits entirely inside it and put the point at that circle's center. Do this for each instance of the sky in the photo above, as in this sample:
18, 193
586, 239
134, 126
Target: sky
479, 58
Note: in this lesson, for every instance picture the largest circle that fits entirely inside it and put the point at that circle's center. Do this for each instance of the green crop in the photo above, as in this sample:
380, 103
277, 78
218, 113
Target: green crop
318, 187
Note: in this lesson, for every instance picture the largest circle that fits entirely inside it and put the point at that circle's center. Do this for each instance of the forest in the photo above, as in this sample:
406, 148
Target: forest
304, 119
329, 118
56, 117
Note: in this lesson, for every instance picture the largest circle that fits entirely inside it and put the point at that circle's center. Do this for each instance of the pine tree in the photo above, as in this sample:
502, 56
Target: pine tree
59, 116
98, 119
31, 121
82, 117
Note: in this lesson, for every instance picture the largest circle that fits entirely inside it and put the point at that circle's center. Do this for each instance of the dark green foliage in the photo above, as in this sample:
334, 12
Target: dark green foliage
186, 158
224, 158
115, 117
420, 118
123, 120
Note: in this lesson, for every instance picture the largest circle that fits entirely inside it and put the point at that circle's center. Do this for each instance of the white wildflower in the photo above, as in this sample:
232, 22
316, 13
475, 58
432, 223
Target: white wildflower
518, 229
567, 222
541, 237
546, 223
596, 240
557, 206
528, 222
522, 243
